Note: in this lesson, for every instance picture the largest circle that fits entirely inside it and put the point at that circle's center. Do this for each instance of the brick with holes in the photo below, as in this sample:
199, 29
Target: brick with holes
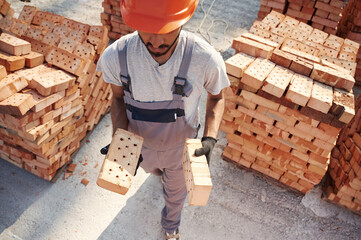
121, 161
300, 88
252, 47
277, 81
321, 97
66, 61
18, 104
238, 63
196, 174
11, 84
257, 72
52, 82
27, 14
14, 45
332, 77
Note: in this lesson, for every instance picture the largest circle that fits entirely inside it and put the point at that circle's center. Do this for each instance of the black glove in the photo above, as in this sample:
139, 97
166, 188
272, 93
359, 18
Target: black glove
207, 147
105, 149
138, 164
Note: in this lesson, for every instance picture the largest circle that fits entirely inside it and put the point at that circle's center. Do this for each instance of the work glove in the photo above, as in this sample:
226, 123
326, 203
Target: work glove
207, 147
105, 149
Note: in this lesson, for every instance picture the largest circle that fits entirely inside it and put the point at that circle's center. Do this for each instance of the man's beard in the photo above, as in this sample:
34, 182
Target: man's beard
158, 54
148, 44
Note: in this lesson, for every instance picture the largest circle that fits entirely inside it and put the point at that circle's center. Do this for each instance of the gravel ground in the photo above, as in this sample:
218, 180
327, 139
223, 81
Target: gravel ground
242, 205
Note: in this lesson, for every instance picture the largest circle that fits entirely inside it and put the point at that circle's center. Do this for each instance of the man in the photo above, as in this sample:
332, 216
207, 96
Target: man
157, 76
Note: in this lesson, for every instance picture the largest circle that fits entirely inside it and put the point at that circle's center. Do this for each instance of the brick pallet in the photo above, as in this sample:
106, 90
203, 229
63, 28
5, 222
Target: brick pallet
344, 184
291, 94
51, 95
112, 19
350, 27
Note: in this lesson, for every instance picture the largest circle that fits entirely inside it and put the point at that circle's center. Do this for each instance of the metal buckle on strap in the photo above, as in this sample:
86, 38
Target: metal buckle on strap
125, 83
179, 84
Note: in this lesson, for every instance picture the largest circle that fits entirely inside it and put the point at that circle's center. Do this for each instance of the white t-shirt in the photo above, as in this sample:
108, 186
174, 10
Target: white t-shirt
151, 82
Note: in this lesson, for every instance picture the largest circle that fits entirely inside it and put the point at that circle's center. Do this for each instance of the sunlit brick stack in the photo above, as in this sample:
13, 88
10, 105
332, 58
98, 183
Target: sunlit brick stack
321, 14
301, 10
350, 27
112, 19
291, 95
267, 6
327, 15
344, 185
51, 94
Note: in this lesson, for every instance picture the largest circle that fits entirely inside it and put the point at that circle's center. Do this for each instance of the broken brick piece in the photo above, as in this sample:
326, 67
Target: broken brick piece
85, 181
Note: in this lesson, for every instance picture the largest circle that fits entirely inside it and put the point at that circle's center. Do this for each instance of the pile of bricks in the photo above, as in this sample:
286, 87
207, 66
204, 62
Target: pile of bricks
321, 14
350, 27
344, 184
267, 6
112, 19
51, 94
291, 95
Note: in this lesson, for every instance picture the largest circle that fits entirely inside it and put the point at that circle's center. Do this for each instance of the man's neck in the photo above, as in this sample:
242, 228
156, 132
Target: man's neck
164, 58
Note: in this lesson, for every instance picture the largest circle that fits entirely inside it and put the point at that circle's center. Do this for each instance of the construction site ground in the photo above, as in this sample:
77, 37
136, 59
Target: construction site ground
242, 205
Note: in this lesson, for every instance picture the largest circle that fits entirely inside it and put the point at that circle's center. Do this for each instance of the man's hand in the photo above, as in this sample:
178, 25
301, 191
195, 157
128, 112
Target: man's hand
207, 147
105, 150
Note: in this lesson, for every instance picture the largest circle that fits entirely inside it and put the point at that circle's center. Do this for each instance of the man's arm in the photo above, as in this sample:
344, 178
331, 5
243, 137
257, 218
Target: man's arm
117, 109
214, 114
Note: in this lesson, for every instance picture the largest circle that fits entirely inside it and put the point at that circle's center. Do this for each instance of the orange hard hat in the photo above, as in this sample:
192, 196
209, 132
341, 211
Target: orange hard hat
157, 16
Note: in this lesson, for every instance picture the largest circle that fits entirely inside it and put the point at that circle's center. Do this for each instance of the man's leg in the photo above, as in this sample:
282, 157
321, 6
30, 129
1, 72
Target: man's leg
150, 162
174, 192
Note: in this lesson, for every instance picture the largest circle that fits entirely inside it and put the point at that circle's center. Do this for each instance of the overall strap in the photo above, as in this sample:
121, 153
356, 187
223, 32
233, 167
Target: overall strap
181, 86
124, 75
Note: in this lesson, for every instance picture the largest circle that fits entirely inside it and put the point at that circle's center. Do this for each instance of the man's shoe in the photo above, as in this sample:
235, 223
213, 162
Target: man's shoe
173, 236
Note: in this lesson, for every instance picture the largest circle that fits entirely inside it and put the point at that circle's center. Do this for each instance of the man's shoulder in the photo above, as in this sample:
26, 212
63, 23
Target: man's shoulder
203, 51
115, 46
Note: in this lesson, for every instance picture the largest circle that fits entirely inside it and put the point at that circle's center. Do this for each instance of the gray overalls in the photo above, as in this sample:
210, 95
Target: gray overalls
164, 128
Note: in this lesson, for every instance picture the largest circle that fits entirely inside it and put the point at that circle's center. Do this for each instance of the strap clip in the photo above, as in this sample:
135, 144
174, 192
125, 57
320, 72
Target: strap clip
179, 84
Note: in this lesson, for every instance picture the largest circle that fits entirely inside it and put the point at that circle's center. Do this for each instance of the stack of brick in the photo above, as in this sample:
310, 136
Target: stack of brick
321, 14
267, 6
291, 97
301, 10
344, 184
47, 108
350, 27
112, 19
327, 15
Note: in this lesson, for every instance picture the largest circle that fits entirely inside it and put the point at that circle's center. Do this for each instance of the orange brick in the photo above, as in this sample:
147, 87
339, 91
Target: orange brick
252, 48
238, 63
277, 81
321, 97
257, 72
282, 58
